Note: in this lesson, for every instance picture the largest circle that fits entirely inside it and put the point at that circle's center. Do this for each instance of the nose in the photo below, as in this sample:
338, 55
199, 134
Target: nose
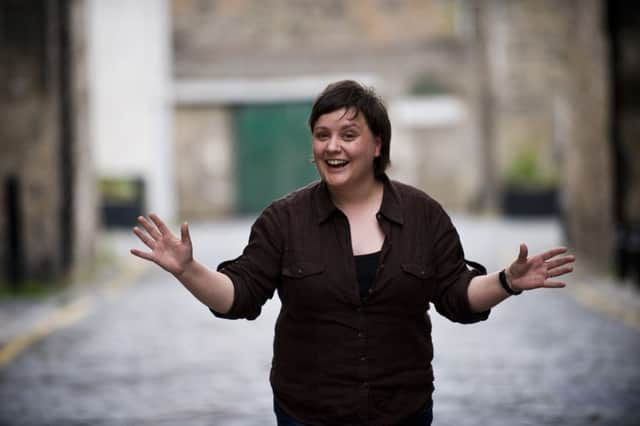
333, 145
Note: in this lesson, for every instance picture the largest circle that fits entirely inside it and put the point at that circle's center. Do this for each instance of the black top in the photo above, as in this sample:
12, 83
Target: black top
366, 267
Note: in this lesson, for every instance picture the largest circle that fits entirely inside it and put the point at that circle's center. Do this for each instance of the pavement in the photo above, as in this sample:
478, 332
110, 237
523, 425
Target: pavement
27, 320
131, 346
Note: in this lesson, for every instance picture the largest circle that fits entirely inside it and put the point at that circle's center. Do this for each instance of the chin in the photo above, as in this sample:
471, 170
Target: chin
333, 179
338, 181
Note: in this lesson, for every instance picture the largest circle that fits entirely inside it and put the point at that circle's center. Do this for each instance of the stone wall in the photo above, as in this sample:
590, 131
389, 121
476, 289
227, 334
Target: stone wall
85, 197
32, 129
30, 141
587, 181
281, 37
548, 69
205, 184
526, 41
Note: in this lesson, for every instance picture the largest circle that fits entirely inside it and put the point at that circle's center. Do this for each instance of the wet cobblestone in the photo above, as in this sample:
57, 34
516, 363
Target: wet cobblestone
154, 356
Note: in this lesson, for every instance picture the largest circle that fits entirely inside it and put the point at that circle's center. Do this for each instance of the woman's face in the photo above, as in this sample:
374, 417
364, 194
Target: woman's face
344, 148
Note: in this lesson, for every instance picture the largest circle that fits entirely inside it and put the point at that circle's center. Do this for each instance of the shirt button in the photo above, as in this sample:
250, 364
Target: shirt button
360, 334
379, 215
363, 358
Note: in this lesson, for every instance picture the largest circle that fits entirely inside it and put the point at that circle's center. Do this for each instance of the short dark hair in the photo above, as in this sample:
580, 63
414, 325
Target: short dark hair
350, 94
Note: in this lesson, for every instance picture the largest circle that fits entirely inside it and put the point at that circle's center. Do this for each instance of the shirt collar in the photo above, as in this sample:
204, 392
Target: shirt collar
390, 208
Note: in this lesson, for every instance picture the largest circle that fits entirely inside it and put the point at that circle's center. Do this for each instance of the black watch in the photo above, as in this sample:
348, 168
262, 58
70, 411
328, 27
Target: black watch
502, 276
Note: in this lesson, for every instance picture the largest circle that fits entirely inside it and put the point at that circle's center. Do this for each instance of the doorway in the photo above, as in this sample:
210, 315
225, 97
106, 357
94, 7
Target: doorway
272, 153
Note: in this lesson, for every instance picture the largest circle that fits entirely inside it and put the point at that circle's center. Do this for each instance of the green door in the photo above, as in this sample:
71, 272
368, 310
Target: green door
273, 153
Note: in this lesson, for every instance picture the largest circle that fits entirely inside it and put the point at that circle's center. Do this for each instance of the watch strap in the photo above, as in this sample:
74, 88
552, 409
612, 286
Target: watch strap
502, 276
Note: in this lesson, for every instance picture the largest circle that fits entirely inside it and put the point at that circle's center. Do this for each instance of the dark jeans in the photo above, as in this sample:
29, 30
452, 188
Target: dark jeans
423, 418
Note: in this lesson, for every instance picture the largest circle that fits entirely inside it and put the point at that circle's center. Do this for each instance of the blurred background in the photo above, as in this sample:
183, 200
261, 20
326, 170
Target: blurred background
522, 117
197, 110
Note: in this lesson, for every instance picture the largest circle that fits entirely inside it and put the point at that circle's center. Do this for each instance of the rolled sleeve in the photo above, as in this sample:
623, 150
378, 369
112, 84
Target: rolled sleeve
452, 275
256, 273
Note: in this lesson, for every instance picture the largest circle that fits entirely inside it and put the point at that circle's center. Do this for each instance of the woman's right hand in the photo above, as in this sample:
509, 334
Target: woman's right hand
168, 251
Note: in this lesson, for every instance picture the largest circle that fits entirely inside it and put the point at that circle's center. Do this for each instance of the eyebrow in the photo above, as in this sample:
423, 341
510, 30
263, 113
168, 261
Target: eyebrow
345, 127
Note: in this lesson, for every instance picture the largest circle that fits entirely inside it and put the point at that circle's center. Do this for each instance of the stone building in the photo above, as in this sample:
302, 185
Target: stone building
246, 73
47, 214
564, 77
473, 87
470, 85
547, 78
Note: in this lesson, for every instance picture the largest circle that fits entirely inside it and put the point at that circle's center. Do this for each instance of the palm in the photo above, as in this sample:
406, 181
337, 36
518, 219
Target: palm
527, 273
167, 251
171, 253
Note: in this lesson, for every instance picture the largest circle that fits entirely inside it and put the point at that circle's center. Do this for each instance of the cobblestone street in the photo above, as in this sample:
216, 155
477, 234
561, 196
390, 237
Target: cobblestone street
152, 355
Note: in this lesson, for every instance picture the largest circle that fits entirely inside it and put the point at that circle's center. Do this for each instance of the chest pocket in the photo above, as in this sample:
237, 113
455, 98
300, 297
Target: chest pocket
416, 282
300, 270
303, 288
419, 271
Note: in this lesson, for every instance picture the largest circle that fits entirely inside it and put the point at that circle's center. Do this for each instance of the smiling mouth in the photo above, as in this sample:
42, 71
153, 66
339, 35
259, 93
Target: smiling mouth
336, 164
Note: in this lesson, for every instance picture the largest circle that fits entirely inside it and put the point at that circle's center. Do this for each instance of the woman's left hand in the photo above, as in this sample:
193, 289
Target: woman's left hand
527, 273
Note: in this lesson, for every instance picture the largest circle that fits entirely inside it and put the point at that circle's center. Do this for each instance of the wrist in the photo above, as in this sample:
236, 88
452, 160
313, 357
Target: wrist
185, 270
505, 281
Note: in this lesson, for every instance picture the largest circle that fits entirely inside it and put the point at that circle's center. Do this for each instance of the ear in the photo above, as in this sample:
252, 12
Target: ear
378, 146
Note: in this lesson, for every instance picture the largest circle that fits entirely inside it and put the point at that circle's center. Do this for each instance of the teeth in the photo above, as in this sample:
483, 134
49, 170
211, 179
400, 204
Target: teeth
336, 162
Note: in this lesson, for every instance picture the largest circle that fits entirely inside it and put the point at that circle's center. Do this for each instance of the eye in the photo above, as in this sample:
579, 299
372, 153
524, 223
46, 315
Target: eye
321, 135
349, 136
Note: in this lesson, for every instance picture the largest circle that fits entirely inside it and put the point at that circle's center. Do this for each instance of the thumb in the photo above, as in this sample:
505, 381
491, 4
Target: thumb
184, 233
524, 251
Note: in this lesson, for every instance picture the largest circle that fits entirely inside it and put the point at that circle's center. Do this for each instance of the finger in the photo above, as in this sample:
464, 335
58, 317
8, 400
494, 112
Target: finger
553, 252
142, 254
184, 234
144, 237
149, 228
553, 284
554, 263
556, 272
524, 252
160, 224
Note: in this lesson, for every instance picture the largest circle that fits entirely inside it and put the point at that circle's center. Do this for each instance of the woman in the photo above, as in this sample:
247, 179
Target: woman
356, 259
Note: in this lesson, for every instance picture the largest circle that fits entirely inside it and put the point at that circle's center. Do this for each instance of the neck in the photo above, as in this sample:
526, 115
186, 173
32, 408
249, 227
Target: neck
360, 194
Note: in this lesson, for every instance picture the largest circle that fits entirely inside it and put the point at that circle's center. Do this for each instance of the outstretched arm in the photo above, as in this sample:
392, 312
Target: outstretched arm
175, 255
525, 273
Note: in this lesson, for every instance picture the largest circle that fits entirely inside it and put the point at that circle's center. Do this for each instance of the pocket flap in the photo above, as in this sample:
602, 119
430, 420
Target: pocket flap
302, 269
420, 271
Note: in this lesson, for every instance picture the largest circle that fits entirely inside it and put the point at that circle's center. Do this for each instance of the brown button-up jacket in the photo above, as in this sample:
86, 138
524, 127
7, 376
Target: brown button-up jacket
339, 359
